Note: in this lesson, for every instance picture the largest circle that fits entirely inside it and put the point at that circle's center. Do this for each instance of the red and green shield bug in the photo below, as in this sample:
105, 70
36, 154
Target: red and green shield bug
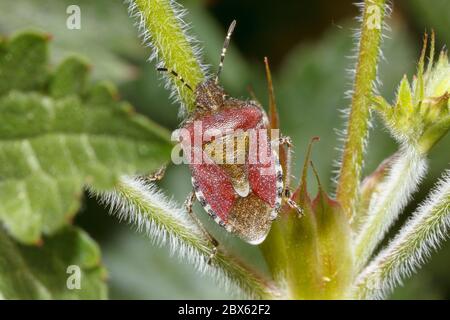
243, 195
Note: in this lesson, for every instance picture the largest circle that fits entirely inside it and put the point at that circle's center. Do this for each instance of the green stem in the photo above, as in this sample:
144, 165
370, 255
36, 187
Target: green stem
166, 31
357, 128
428, 227
165, 222
395, 191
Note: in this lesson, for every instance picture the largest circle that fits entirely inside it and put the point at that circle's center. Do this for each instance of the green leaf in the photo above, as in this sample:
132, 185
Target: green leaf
52, 146
107, 35
23, 62
42, 272
69, 78
404, 96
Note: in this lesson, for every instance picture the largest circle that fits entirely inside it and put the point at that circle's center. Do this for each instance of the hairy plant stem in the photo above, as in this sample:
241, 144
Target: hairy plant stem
422, 234
358, 124
165, 222
402, 180
162, 28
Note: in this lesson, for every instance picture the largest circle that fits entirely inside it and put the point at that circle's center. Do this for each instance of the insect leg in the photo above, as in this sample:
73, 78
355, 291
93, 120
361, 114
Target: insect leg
287, 194
215, 244
157, 175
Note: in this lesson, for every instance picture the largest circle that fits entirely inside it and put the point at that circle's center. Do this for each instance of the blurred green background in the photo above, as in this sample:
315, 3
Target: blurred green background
309, 44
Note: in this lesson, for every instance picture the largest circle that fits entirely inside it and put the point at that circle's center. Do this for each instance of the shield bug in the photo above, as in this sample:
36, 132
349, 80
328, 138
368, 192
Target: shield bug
236, 173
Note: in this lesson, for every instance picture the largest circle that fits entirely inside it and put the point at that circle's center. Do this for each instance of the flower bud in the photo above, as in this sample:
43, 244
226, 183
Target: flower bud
420, 116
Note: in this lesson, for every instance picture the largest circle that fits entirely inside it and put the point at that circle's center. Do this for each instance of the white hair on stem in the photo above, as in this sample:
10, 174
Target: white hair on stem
424, 233
184, 56
351, 75
141, 204
402, 180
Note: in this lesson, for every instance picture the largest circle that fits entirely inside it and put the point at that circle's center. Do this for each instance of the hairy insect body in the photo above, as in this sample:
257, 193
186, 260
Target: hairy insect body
240, 190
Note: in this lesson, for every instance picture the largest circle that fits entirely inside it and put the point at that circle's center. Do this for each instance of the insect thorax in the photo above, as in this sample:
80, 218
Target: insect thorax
209, 95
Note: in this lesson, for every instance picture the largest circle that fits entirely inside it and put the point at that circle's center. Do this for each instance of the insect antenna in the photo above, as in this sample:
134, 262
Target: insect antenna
224, 48
179, 77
